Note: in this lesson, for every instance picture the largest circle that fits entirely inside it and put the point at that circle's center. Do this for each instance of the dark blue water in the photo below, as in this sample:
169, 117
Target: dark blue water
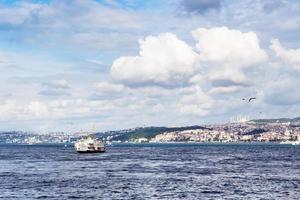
151, 172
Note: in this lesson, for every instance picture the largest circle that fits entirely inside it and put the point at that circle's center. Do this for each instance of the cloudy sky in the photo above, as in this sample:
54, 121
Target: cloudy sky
114, 64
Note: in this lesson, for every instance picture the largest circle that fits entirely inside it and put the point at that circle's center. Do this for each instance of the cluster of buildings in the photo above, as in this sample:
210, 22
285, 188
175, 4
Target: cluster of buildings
237, 131
31, 138
234, 132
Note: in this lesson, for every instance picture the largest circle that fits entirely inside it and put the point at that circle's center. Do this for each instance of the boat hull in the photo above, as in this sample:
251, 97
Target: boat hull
94, 151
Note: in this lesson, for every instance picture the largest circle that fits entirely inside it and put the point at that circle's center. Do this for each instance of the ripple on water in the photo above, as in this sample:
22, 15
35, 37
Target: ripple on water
156, 172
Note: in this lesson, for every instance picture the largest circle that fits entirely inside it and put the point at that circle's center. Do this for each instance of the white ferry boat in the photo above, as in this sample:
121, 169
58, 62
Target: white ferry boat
89, 145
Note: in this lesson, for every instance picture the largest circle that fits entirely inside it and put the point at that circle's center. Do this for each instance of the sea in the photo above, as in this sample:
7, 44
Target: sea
151, 171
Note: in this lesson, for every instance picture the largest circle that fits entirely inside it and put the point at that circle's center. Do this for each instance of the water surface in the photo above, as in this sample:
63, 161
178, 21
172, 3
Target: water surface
181, 171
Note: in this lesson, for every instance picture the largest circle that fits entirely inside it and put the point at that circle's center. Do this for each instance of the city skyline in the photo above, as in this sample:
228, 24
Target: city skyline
117, 64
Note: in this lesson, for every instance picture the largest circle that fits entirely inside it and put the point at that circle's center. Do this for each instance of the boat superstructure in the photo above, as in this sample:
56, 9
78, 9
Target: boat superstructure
89, 144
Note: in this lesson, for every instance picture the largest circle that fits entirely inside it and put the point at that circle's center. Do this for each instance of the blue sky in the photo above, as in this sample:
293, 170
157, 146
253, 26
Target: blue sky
71, 65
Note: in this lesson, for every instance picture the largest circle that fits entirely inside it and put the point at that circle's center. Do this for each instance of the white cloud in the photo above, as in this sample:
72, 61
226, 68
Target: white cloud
102, 41
60, 83
107, 87
290, 56
56, 109
196, 102
153, 91
94, 14
61, 14
163, 59
227, 52
7, 109
219, 68
78, 107
12, 109
290, 24
283, 91
19, 14
52, 42
223, 90
38, 109
55, 88
79, 25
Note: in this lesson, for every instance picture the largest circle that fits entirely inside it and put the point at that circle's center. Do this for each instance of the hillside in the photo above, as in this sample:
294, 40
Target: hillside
150, 132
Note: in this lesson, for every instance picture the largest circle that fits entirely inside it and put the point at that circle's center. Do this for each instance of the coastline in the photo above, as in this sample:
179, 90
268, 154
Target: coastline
161, 144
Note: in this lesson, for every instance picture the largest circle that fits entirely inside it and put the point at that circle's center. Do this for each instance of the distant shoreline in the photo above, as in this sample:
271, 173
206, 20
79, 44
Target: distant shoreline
155, 144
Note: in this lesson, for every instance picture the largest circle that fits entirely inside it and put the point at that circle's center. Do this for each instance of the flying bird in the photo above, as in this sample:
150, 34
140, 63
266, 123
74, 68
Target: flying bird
249, 99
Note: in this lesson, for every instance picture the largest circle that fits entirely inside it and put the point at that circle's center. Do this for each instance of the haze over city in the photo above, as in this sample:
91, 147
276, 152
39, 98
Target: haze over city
116, 64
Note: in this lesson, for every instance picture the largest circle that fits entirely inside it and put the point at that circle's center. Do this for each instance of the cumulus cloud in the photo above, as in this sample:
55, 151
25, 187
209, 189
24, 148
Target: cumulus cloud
228, 52
219, 67
163, 59
290, 56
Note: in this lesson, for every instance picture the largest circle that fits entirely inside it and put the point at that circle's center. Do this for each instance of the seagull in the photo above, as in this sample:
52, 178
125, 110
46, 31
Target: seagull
249, 99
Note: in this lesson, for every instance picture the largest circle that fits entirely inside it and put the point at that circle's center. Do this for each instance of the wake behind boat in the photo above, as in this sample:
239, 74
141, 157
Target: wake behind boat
89, 144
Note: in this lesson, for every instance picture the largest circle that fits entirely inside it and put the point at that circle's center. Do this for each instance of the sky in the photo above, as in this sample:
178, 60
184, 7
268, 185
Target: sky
67, 65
